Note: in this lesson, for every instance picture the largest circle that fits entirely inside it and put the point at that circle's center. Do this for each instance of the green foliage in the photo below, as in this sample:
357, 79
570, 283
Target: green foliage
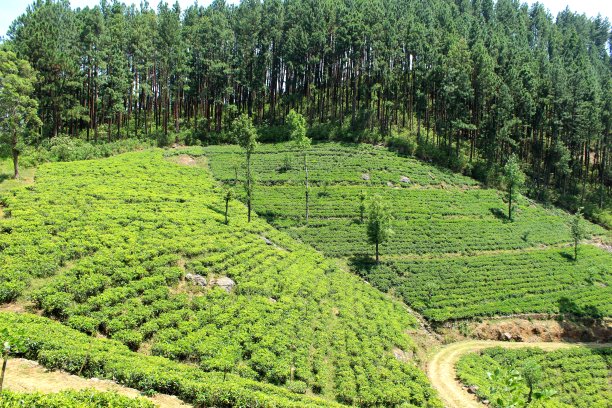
436, 216
403, 143
472, 82
514, 178
578, 230
379, 219
114, 238
534, 281
18, 110
72, 399
246, 136
335, 163
297, 124
58, 347
575, 377
245, 133
64, 148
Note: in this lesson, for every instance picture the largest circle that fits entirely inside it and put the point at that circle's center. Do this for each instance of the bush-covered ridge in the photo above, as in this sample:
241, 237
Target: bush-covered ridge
71, 399
535, 281
107, 243
344, 163
453, 254
58, 347
579, 376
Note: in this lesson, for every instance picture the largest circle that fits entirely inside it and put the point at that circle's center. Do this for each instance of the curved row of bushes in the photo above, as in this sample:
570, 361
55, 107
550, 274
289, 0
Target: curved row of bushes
58, 347
71, 399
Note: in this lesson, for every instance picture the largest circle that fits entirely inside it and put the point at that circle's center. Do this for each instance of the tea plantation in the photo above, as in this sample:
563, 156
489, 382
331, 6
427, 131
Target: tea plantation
104, 246
81, 399
579, 376
453, 253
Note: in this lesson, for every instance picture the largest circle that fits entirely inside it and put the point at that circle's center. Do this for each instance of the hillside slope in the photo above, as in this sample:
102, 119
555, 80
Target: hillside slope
104, 246
453, 254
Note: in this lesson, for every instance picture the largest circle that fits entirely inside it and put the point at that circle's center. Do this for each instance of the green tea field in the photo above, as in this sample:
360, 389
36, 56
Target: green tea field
453, 253
106, 246
579, 377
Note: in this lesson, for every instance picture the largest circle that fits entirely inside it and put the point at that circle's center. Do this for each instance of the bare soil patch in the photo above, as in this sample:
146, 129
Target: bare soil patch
186, 160
529, 330
13, 307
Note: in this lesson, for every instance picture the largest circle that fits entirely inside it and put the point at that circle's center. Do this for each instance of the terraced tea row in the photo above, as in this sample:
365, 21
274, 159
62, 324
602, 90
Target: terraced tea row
56, 346
536, 281
329, 163
425, 220
576, 377
106, 246
71, 399
510, 267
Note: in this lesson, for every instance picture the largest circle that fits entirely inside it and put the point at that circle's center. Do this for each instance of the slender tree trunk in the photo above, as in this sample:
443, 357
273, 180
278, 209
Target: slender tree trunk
575, 250
377, 257
530, 395
510, 203
3, 372
226, 210
16, 163
248, 181
307, 187
15, 153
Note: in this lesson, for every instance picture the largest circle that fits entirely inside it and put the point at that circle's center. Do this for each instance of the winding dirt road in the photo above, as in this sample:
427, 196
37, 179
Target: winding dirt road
442, 372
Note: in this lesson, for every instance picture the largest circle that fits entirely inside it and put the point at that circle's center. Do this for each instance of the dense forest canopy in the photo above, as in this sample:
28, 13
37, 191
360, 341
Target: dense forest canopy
473, 82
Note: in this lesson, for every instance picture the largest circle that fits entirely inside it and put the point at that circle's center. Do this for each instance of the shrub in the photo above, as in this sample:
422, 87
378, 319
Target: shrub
130, 338
299, 387
71, 399
404, 143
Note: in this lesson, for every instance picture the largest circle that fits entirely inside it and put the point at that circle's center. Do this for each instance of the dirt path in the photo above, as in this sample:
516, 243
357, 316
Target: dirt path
442, 373
28, 376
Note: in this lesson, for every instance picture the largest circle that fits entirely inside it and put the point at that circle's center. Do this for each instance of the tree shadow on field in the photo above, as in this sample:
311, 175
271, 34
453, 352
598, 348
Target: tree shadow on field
570, 308
362, 264
356, 221
499, 214
567, 256
582, 323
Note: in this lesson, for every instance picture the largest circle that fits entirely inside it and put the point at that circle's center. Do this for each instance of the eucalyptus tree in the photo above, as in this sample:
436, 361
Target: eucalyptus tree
47, 35
514, 178
18, 110
227, 197
297, 124
116, 75
246, 136
578, 230
379, 224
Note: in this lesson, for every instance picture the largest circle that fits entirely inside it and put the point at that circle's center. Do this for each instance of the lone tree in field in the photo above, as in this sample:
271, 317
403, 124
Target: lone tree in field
297, 124
228, 196
379, 222
514, 178
578, 230
18, 111
246, 135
